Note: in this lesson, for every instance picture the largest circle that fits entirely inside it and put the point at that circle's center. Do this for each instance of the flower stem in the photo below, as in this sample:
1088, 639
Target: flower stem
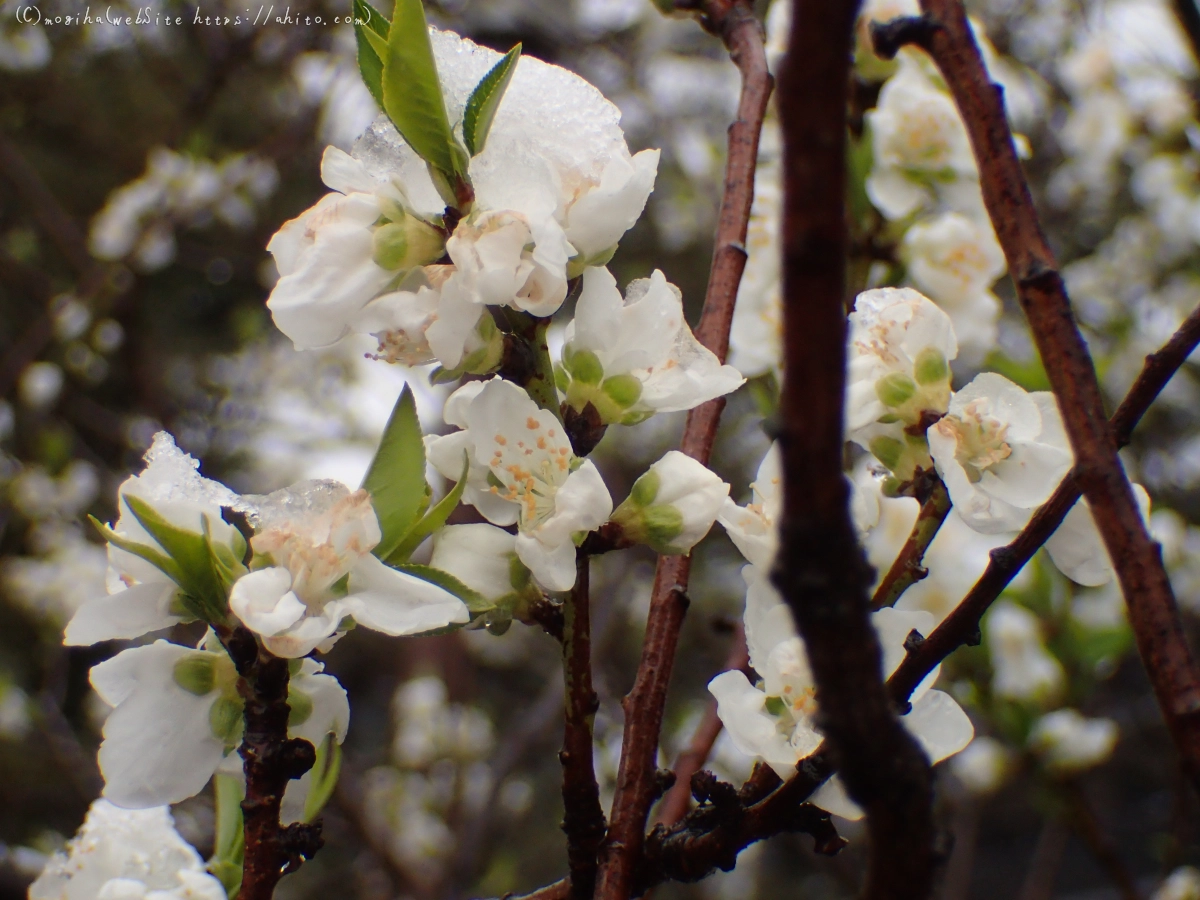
527, 359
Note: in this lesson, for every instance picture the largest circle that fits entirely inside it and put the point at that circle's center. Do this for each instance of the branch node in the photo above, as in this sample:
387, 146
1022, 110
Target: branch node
913, 641
889, 37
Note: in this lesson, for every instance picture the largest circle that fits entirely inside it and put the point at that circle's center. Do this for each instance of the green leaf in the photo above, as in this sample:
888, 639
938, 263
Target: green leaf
370, 33
432, 520
161, 562
396, 478
485, 100
190, 552
475, 601
324, 778
412, 93
230, 840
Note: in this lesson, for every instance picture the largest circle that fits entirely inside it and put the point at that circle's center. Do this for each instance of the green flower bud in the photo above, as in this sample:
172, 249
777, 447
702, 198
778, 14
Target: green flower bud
196, 673
301, 707
660, 526
585, 366
623, 390
775, 706
887, 450
405, 244
931, 367
225, 720
645, 489
895, 389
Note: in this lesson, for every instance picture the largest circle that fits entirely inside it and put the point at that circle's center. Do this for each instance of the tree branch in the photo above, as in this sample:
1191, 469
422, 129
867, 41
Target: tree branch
821, 570
742, 34
691, 760
1153, 614
583, 819
270, 760
962, 625
1189, 19
906, 569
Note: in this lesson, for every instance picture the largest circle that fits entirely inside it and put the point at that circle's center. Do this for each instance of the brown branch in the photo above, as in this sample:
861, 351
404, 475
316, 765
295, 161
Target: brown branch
821, 570
636, 788
1046, 861
1153, 614
906, 569
678, 852
270, 759
583, 819
690, 761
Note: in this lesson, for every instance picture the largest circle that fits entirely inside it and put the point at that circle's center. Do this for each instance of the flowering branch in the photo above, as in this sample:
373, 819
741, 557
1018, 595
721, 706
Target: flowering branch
690, 761
270, 760
907, 570
742, 34
945, 34
821, 570
583, 819
962, 625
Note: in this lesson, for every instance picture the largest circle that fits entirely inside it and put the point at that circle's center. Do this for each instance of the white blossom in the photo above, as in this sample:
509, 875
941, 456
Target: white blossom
23, 47
899, 348
983, 765
1000, 451
1182, 884
318, 537
775, 721
142, 597
955, 260
484, 558
522, 470
126, 854
1068, 742
178, 716
555, 189
634, 358
753, 528
673, 505
1077, 548
918, 140
1022, 667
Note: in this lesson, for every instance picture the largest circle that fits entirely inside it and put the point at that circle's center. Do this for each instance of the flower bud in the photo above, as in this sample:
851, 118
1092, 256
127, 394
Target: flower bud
196, 673
1069, 742
585, 366
406, 243
930, 367
672, 506
895, 390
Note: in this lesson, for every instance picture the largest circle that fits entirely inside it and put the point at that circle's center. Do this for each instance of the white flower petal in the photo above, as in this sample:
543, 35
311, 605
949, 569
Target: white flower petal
158, 747
124, 615
939, 725
396, 603
264, 601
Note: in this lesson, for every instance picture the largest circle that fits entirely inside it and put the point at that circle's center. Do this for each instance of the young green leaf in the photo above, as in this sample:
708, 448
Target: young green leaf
229, 843
485, 100
475, 601
190, 552
324, 778
396, 478
432, 520
370, 33
160, 561
412, 93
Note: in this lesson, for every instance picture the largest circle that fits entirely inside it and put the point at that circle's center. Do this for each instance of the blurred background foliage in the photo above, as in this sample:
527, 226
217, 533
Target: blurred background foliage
143, 169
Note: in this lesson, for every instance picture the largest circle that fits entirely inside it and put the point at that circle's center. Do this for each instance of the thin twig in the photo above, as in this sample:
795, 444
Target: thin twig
906, 569
700, 840
1046, 861
1189, 19
692, 760
1153, 615
636, 788
583, 819
1083, 820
